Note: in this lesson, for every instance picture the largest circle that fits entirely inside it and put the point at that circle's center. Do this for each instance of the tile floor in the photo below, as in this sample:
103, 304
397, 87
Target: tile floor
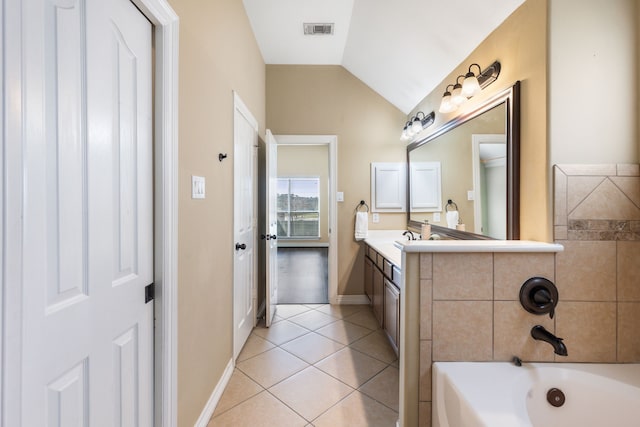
317, 365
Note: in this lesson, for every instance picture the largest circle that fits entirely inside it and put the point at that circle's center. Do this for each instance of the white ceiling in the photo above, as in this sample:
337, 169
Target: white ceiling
402, 49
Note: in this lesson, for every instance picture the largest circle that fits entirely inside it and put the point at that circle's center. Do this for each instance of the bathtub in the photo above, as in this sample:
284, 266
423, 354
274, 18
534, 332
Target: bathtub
499, 394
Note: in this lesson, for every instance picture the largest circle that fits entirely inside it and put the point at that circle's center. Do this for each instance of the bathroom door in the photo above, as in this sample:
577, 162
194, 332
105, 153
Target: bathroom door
271, 227
81, 215
245, 145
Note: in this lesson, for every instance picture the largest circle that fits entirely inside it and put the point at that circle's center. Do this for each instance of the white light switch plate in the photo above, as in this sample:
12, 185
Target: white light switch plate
470, 195
340, 196
436, 217
197, 187
376, 218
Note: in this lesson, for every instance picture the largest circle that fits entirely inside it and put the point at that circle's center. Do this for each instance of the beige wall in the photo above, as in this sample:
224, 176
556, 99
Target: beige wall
304, 161
328, 100
520, 44
593, 81
218, 54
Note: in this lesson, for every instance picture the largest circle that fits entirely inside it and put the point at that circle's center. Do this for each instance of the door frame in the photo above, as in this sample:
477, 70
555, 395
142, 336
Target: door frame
332, 142
165, 146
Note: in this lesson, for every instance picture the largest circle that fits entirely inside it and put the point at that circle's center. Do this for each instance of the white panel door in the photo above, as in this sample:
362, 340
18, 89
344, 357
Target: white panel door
245, 142
425, 186
388, 187
86, 245
271, 227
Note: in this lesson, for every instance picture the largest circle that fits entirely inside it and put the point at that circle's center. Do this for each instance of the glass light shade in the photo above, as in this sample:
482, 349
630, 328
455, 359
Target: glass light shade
470, 85
409, 131
456, 95
416, 126
446, 105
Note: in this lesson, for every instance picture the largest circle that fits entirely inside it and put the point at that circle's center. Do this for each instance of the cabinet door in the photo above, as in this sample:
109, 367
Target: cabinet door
391, 313
368, 279
378, 295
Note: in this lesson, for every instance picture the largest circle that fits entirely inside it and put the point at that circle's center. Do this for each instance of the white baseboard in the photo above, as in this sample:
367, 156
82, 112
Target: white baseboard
207, 412
293, 244
351, 299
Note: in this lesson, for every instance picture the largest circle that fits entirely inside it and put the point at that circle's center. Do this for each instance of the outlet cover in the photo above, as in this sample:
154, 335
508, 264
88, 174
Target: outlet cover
340, 196
436, 217
376, 218
197, 187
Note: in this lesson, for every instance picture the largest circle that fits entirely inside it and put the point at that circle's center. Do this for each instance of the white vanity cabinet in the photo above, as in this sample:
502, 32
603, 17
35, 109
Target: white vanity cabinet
382, 285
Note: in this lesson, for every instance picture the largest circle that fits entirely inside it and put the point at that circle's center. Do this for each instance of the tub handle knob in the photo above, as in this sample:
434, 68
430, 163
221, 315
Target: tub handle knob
539, 296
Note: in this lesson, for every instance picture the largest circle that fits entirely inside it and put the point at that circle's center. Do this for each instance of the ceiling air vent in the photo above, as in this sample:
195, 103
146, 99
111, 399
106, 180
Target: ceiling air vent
311, 29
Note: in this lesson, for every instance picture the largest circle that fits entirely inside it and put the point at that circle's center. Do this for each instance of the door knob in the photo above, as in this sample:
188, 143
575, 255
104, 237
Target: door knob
265, 236
240, 246
273, 237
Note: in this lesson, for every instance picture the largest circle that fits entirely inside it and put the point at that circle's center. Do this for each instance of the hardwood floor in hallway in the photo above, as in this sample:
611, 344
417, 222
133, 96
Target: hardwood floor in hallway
317, 365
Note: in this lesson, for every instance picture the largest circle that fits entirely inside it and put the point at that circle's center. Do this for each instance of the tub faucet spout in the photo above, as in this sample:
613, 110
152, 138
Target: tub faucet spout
409, 235
538, 332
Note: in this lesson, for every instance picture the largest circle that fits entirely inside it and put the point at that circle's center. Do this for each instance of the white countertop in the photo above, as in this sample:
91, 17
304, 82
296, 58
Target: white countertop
477, 246
384, 242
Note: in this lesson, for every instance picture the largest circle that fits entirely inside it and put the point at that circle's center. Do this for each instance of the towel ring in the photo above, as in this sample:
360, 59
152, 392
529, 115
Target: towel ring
361, 204
452, 204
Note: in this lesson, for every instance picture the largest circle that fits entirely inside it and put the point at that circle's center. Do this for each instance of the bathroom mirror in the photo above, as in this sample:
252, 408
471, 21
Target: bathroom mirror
478, 158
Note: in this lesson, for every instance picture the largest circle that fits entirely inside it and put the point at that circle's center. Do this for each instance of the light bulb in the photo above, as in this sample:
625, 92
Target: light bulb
446, 106
456, 95
416, 126
470, 85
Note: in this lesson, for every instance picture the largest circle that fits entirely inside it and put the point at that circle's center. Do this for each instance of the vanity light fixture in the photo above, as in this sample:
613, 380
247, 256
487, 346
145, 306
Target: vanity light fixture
417, 124
471, 86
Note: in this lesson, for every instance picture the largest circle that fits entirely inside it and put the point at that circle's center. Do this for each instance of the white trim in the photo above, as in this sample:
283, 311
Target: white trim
476, 140
332, 142
210, 407
352, 299
166, 28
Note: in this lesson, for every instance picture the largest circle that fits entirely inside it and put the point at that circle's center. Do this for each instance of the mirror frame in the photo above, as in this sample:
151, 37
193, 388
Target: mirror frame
511, 98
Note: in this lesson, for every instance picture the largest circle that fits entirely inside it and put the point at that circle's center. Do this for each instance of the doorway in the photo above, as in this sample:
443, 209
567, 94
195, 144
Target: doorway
307, 227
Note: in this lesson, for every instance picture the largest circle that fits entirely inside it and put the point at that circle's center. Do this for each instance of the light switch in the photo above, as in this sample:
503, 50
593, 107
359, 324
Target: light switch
197, 187
340, 196
470, 195
376, 218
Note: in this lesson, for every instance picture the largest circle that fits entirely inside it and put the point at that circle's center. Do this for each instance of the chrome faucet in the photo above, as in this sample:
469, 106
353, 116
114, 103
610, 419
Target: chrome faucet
409, 235
538, 332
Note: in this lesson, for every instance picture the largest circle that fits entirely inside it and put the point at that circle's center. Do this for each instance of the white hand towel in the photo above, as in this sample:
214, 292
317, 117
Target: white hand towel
362, 225
452, 219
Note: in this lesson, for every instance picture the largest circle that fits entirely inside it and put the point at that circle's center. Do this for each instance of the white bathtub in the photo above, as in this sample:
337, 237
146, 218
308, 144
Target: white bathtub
467, 394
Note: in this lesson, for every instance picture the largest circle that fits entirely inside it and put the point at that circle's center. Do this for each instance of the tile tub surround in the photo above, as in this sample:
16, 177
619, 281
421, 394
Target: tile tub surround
597, 220
466, 295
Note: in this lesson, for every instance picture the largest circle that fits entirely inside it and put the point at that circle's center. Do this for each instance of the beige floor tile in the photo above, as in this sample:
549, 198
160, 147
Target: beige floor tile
351, 367
357, 410
364, 318
312, 319
341, 311
312, 347
262, 410
288, 310
239, 389
315, 306
384, 387
281, 332
376, 345
310, 392
271, 367
343, 332
255, 345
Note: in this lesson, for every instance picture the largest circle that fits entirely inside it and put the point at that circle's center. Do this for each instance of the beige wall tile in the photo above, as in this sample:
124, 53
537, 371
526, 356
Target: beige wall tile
425, 371
424, 418
628, 271
629, 332
588, 329
579, 187
630, 186
512, 333
512, 270
426, 299
462, 330
560, 232
560, 197
628, 169
578, 169
426, 266
586, 271
607, 201
467, 276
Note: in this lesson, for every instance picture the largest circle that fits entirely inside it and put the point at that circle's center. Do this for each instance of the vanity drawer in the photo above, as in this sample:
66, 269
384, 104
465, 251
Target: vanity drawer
372, 254
387, 269
380, 262
397, 277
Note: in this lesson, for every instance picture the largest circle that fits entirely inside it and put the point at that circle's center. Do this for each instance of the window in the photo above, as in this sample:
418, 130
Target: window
298, 208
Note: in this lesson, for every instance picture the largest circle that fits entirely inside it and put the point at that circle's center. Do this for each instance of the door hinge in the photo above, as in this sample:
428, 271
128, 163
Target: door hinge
149, 293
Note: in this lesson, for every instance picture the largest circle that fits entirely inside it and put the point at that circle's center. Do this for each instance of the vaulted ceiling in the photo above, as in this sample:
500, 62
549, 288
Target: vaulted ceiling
402, 49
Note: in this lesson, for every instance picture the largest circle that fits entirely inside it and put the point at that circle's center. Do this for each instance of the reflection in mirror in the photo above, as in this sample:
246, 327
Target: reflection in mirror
473, 161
